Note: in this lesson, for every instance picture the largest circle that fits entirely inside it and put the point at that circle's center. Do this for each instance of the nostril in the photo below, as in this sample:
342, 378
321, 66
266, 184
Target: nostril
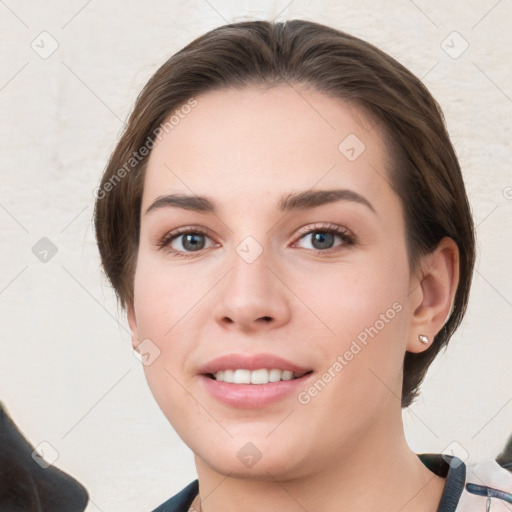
267, 318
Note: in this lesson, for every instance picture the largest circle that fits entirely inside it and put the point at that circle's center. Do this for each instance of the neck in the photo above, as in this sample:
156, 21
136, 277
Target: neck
378, 473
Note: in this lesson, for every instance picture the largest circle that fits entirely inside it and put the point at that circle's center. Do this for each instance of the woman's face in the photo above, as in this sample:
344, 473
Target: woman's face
274, 274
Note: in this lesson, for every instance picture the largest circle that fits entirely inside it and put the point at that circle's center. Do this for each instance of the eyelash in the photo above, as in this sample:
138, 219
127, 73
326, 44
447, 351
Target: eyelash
345, 235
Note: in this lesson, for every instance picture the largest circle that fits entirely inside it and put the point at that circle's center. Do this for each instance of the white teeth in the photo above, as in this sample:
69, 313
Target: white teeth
228, 376
242, 377
274, 375
287, 375
260, 376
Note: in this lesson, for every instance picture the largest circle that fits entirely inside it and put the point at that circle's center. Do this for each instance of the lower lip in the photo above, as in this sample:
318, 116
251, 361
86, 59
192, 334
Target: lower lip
253, 396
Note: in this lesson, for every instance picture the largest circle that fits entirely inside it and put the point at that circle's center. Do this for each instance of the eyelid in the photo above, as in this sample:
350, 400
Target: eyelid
323, 226
344, 233
165, 240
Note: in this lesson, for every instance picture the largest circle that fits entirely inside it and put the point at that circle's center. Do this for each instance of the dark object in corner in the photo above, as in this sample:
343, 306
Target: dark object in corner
24, 485
504, 459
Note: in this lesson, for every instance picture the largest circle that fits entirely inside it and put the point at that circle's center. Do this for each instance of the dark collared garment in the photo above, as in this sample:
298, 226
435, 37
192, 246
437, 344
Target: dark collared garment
446, 466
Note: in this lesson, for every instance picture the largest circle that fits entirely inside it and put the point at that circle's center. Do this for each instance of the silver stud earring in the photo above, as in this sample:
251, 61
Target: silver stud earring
424, 339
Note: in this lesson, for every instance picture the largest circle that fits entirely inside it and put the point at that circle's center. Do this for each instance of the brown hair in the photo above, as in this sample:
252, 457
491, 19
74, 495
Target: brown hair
424, 169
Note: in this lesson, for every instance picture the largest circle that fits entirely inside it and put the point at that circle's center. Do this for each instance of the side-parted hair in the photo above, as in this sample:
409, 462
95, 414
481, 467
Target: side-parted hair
423, 168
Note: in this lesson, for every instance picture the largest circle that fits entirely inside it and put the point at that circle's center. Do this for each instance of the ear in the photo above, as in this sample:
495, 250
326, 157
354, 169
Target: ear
433, 294
132, 322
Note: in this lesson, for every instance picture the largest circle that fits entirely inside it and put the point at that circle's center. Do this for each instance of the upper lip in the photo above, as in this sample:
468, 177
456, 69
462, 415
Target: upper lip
250, 362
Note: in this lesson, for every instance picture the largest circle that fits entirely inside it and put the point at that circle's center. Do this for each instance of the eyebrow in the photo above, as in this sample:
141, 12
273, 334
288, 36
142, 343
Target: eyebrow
294, 201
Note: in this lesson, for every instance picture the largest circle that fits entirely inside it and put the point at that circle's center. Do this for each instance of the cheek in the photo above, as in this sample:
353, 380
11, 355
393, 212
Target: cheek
162, 300
161, 312
351, 300
169, 310
362, 311
362, 356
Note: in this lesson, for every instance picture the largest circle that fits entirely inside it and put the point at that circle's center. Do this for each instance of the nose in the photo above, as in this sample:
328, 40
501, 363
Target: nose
251, 297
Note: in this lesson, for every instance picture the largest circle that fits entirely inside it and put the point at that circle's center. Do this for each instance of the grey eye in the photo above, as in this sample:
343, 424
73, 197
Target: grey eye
189, 242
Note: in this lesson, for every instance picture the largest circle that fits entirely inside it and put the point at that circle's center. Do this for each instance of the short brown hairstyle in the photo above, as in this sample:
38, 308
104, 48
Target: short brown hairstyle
424, 170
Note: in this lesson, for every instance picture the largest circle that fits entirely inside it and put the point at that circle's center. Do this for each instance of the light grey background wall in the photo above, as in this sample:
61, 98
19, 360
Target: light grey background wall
69, 76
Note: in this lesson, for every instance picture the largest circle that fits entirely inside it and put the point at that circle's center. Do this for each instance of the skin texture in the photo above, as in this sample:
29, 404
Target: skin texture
246, 149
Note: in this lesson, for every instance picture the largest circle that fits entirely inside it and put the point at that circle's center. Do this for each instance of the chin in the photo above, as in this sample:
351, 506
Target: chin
260, 459
266, 471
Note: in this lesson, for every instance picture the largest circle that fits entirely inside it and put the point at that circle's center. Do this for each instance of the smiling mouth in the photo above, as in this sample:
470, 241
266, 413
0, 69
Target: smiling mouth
258, 377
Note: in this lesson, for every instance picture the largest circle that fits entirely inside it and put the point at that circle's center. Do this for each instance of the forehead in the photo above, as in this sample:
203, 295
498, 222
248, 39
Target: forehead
266, 141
